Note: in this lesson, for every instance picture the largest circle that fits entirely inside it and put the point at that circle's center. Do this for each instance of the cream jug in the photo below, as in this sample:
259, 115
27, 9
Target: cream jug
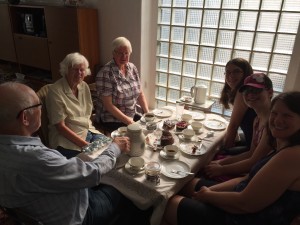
199, 93
137, 139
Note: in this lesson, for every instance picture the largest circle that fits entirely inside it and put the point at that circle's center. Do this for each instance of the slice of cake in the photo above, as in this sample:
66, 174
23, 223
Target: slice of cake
166, 138
168, 124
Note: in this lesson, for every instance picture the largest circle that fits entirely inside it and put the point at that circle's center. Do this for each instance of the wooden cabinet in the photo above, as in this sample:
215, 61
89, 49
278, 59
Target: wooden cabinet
43, 35
32, 51
7, 47
78, 28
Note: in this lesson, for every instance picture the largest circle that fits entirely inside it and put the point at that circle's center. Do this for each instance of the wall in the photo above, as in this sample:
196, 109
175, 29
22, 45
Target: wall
136, 20
119, 18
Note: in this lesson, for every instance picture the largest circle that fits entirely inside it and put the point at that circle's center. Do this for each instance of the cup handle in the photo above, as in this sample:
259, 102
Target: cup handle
192, 91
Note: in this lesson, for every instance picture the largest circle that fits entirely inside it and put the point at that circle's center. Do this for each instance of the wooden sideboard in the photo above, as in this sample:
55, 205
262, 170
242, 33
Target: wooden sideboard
40, 37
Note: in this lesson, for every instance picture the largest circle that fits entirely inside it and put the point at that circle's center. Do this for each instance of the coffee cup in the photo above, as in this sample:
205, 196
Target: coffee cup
186, 117
136, 163
196, 126
149, 117
188, 133
151, 126
122, 131
152, 172
171, 150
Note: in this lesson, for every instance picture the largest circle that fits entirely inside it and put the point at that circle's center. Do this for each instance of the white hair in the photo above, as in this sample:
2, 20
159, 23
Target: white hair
73, 59
121, 42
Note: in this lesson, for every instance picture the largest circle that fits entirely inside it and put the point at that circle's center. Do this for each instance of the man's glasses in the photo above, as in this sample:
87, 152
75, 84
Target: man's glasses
252, 90
30, 107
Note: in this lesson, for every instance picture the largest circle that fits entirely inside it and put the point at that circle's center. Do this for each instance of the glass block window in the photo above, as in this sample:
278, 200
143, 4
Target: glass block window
196, 38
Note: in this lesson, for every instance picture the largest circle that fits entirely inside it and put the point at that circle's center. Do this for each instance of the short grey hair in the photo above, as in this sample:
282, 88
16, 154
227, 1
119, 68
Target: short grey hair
19, 97
121, 42
72, 59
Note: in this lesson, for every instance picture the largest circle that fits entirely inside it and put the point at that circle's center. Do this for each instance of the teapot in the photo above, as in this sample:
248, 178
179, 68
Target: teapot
199, 93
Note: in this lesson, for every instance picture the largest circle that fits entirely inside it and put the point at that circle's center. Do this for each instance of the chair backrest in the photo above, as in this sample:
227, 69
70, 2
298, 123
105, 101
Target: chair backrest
16, 217
43, 131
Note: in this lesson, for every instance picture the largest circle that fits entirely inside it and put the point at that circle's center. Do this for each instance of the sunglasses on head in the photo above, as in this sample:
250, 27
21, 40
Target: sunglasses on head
252, 90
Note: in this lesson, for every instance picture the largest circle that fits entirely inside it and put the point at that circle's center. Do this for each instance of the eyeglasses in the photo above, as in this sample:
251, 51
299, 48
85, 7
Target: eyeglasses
253, 90
122, 53
30, 107
234, 72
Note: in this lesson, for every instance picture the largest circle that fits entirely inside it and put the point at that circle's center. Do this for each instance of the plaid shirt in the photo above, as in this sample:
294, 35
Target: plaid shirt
124, 90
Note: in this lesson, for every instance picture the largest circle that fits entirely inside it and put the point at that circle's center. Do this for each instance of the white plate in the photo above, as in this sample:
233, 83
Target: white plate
200, 131
187, 147
163, 112
151, 138
215, 124
163, 154
167, 167
142, 120
114, 134
198, 116
131, 171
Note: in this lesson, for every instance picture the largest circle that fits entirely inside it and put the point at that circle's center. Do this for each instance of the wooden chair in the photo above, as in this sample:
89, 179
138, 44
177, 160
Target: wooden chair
16, 217
43, 131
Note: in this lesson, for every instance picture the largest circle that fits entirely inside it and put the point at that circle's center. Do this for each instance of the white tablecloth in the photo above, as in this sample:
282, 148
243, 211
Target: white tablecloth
145, 194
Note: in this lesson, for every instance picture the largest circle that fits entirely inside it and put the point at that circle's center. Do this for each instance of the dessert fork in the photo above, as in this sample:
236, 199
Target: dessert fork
181, 172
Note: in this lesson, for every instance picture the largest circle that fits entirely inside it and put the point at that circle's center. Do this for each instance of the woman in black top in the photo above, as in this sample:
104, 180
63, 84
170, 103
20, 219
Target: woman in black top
270, 194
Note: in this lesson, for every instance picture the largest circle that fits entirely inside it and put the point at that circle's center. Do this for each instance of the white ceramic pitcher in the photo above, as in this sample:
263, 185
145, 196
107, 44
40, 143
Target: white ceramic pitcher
199, 93
137, 139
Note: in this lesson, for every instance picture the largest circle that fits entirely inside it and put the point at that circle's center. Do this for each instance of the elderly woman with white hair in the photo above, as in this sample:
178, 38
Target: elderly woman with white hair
119, 89
69, 107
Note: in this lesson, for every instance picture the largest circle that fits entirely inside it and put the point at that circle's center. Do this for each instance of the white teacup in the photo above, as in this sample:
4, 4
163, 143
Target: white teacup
136, 163
149, 117
196, 126
186, 117
122, 131
171, 150
188, 133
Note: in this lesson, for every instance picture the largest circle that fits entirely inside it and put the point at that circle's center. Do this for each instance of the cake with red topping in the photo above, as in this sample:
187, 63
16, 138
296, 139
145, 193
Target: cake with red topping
181, 125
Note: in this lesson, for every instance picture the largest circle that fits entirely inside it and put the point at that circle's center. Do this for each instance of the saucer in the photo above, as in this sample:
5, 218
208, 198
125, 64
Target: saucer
131, 171
200, 131
163, 154
193, 139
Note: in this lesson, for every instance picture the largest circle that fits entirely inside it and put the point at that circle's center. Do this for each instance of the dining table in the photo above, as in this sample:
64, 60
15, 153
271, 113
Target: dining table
144, 193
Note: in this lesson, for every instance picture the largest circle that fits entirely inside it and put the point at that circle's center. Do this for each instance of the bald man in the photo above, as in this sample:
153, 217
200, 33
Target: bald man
40, 181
